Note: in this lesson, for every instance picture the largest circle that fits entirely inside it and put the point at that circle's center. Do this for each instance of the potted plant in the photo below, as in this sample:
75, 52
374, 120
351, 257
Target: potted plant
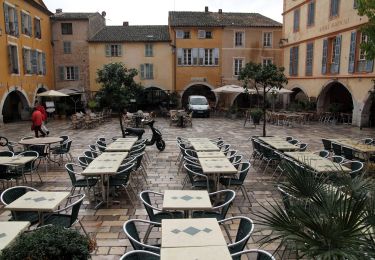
50, 242
256, 115
92, 104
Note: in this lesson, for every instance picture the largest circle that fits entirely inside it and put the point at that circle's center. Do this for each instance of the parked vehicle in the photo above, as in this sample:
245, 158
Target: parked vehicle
199, 106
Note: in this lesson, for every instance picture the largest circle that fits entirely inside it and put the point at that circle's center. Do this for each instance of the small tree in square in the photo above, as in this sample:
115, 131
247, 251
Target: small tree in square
367, 8
262, 78
117, 88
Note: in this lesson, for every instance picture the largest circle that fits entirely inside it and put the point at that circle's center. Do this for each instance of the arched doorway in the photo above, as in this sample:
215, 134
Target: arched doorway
152, 97
335, 97
298, 95
198, 89
368, 112
13, 107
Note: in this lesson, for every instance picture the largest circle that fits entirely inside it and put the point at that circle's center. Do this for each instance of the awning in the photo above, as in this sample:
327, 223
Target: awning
72, 91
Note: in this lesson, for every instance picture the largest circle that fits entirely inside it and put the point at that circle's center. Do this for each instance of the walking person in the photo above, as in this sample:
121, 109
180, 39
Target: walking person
37, 119
44, 114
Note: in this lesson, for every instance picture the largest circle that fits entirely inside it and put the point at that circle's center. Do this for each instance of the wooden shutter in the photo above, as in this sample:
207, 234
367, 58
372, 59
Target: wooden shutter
194, 54
353, 42
179, 34
201, 56
216, 56
44, 70
34, 62
142, 71
76, 73
62, 73
17, 33
201, 34
355, 4
108, 50
180, 54
6, 18
325, 56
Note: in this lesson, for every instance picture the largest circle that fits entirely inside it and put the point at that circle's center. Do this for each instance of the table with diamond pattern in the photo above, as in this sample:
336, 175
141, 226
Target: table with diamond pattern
192, 232
40, 201
186, 200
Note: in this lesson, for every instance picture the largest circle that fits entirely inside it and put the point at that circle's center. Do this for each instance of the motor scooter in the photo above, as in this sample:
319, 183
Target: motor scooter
156, 134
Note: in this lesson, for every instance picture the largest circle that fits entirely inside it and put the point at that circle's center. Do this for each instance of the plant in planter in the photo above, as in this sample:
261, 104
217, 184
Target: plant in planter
92, 104
256, 115
50, 242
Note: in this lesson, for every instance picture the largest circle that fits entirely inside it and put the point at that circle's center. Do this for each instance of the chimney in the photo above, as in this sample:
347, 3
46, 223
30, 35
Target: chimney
59, 10
104, 14
206, 9
125, 23
220, 11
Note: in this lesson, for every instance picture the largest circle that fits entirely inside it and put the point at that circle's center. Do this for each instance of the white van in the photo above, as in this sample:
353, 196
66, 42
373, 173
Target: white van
199, 106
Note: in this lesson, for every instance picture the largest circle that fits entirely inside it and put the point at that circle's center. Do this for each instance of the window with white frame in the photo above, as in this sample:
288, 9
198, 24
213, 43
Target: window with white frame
37, 28
237, 66
13, 59
186, 59
69, 73
11, 20
149, 50
26, 56
113, 50
239, 39
267, 39
266, 61
203, 34
26, 24
67, 47
209, 57
147, 71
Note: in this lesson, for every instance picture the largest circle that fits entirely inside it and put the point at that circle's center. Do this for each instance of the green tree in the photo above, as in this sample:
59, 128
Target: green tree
262, 79
367, 8
117, 88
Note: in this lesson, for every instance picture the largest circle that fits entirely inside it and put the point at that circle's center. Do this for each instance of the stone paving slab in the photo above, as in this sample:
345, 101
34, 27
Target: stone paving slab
106, 224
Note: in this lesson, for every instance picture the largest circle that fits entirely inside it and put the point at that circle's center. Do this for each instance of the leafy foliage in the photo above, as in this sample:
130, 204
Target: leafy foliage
367, 8
46, 243
262, 78
321, 219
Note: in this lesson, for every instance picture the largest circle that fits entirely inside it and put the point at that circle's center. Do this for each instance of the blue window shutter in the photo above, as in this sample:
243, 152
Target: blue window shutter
194, 54
309, 58
76, 73
296, 20
216, 56
62, 73
142, 71
370, 66
311, 13
296, 60
353, 43
335, 67
201, 56
34, 62
30, 25
107, 50
17, 33
6, 18
180, 54
44, 70
324, 57
151, 66
291, 61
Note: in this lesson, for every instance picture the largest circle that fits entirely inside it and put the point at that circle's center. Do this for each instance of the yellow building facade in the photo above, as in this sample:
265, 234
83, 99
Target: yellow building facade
26, 56
323, 59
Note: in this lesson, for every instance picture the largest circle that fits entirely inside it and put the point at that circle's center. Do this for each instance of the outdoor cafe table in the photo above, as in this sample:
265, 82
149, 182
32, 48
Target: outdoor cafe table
120, 146
199, 139
196, 253
127, 139
191, 232
40, 201
211, 155
16, 160
317, 163
47, 141
217, 166
279, 143
366, 149
104, 165
9, 230
186, 200
204, 146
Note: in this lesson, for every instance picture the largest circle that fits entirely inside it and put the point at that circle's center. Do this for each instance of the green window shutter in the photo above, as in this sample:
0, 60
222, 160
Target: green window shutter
34, 62
142, 71
61, 73
6, 18
76, 73
296, 49
108, 50
353, 42
180, 54
17, 33
325, 56
370, 66
44, 71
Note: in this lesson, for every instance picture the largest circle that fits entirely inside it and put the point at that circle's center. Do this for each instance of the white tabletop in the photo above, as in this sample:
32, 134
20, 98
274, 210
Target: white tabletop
204, 146
127, 139
44, 201
106, 163
211, 154
217, 165
196, 253
9, 231
186, 200
16, 160
198, 139
279, 143
119, 146
191, 233
41, 140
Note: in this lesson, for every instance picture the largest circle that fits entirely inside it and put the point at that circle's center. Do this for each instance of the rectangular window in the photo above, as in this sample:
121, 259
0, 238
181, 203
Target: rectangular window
266, 61
186, 34
147, 71
238, 39
69, 73
148, 50
296, 20
208, 57
335, 47
13, 59
37, 28
355, 4
362, 53
309, 58
26, 55
311, 13
40, 63
267, 39
293, 62
203, 34
238, 65
113, 50
334, 8
67, 47
362, 61
186, 59
26, 24
11, 20
66, 28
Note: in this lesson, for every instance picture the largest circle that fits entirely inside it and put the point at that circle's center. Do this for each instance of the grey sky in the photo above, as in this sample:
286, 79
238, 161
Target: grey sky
151, 12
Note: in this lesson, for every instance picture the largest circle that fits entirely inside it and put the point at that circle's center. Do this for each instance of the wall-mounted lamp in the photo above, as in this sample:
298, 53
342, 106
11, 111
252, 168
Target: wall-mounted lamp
282, 41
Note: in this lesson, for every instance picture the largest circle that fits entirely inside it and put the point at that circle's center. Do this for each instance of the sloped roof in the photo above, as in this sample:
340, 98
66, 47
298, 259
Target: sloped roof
136, 33
214, 19
40, 6
72, 16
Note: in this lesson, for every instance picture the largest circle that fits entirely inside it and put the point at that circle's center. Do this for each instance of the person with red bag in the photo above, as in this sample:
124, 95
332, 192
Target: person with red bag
44, 114
37, 119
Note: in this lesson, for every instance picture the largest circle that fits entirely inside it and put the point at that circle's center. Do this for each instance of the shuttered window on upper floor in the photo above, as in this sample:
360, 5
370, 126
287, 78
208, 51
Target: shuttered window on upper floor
357, 56
309, 58
26, 25
331, 55
147, 71
198, 56
296, 19
311, 13
293, 61
334, 8
113, 50
149, 50
11, 20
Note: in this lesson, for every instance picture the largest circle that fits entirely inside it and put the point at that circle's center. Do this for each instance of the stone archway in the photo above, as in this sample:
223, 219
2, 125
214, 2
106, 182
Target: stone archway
198, 89
335, 97
152, 97
15, 107
368, 112
298, 95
